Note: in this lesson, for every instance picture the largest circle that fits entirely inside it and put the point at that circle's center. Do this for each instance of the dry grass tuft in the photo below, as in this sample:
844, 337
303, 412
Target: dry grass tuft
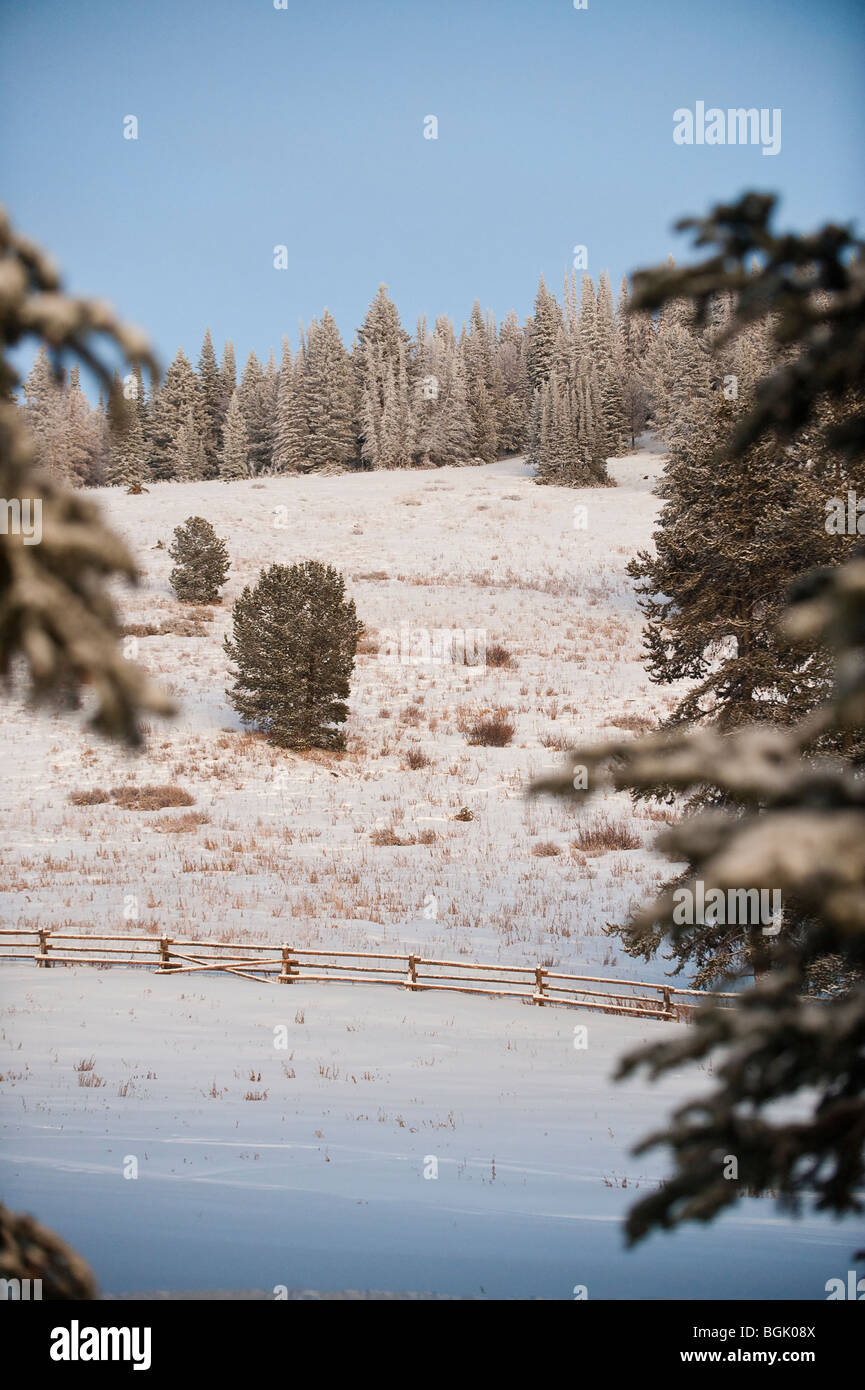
416, 758
180, 825
492, 728
636, 723
499, 656
604, 835
134, 798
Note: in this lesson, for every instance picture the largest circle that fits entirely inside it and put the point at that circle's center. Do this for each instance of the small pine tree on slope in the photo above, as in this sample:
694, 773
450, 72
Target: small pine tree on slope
295, 637
200, 562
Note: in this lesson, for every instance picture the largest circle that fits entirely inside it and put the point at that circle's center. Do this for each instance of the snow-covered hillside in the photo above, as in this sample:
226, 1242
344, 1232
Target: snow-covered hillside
279, 846
311, 1166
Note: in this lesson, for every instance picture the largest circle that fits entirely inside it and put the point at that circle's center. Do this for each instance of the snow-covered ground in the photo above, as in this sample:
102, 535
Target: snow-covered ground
279, 846
319, 1183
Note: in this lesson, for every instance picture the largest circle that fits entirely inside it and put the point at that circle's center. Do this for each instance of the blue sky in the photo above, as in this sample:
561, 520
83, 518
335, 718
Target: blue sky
304, 127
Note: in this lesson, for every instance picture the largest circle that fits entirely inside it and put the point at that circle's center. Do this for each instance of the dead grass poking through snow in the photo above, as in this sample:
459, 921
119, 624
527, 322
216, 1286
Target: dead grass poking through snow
492, 728
603, 835
133, 798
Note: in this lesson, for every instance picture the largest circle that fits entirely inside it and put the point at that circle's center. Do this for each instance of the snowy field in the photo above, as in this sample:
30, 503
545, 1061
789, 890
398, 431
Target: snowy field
304, 1167
279, 846
319, 1182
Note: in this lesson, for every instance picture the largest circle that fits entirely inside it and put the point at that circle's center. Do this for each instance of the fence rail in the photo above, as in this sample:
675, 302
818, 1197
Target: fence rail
289, 965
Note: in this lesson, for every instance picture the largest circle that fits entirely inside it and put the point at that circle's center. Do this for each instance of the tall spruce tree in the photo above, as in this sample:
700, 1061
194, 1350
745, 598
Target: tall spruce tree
633, 349
730, 541
256, 394
329, 391
793, 822
443, 427
227, 376
295, 634
481, 392
128, 458
212, 410
234, 459
179, 394
291, 453
384, 385
542, 336
511, 364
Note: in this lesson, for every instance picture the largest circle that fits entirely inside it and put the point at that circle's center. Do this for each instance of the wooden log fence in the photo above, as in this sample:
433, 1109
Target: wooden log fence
289, 965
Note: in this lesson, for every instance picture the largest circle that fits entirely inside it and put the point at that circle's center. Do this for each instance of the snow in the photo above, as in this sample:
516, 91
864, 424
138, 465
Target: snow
321, 1185
284, 846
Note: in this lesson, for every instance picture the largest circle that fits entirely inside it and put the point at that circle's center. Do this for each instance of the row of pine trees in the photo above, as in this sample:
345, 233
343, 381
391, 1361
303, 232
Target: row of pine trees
570, 387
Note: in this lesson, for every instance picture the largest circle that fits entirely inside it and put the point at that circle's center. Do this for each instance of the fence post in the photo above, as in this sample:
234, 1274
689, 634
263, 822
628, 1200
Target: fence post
539, 983
668, 1007
44, 948
165, 955
411, 977
287, 976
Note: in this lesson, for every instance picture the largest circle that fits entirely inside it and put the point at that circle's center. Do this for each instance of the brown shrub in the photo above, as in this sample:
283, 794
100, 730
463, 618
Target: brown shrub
368, 644
135, 798
387, 836
95, 797
561, 742
416, 758
170, 825
604, 835
497, 655
491, 729
546, 849
637, 723
150, 798
180, 625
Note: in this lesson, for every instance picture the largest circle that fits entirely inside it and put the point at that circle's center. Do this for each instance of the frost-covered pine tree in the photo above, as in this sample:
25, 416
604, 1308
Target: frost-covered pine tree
329, 388
41, 402
212, 405
127, 462
295, 634
67, 433
234, 459
281, 449
511, 363
190, 460
258, 403
292, 432
611, 390
634, 345
227, 376
179, 394
201, 562
384, 385
542, 336
478, 361
443, 428
731, 538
